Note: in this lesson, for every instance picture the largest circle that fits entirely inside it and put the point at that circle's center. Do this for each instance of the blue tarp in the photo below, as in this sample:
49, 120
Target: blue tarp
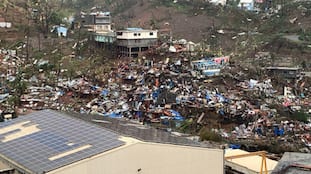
259, 131
155, 94
139, 114
176, 115
178, 118
104, 92
171, 84
208, 97
221, 112
235, 146
142, 97
220, 98
113, 115
277, 131
61, 31
94, 88
192, 98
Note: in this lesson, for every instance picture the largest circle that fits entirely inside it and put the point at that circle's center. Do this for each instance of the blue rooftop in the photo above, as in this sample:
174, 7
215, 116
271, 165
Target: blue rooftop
134, 29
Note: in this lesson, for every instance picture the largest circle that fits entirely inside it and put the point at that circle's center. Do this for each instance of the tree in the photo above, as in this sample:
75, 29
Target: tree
19, 86
84, 4
233, 3
47, 14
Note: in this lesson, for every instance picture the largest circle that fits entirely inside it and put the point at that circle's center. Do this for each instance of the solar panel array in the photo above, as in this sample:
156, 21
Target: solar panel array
58, 134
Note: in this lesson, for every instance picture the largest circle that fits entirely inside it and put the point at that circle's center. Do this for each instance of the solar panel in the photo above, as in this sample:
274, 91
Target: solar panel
57, 134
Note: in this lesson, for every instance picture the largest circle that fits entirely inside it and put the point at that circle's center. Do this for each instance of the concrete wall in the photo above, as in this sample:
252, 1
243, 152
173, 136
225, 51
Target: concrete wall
139, 34
104, 39
137, 42
100, 28
149, 158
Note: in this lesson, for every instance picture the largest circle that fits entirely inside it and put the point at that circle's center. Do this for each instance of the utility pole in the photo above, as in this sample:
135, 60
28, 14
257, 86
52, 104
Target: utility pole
282, 7
78, 43
27, 30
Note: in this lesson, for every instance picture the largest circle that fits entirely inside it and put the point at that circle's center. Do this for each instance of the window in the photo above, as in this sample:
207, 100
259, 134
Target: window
151, 33
119, 33
138, 34
135, 34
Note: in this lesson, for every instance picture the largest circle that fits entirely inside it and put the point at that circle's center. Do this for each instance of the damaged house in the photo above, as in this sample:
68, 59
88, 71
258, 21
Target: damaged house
286, 72
99, 23
210, 66
4, 24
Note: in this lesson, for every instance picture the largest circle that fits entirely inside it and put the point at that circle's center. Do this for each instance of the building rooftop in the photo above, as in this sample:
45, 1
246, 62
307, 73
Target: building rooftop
135, 30
101, 14
283, 68
46, 140
251, 164
140, 132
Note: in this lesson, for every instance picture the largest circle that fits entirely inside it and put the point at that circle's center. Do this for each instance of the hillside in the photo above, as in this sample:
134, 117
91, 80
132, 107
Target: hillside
243, 33
229, 29
15, 13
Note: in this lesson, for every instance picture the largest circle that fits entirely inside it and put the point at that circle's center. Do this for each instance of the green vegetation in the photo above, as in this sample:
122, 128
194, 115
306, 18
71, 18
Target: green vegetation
300, 116
187, 126
209, 135
305, 36
19, 86
123, 5
83, 4
233, 3
182, 6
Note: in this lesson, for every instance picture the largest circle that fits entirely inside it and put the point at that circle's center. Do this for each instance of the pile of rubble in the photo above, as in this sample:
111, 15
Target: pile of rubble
164, 91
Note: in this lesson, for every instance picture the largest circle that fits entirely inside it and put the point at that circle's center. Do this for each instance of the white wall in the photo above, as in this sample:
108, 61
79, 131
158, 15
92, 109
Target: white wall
217, 2
149, 158
140, 34
5, 24
101, 28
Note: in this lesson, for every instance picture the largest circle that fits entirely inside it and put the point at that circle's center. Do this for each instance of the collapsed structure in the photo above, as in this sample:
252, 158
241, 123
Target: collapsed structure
172, 92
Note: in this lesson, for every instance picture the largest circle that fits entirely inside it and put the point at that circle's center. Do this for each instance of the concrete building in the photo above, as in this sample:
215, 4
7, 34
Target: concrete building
133, 41
56, 143
99, 23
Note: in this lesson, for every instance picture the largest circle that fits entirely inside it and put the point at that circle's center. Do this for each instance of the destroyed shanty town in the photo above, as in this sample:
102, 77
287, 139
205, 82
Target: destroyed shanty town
164, 86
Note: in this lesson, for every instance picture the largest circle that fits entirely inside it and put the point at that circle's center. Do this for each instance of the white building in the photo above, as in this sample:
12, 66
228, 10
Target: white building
133, 41
137, 33
217, 2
